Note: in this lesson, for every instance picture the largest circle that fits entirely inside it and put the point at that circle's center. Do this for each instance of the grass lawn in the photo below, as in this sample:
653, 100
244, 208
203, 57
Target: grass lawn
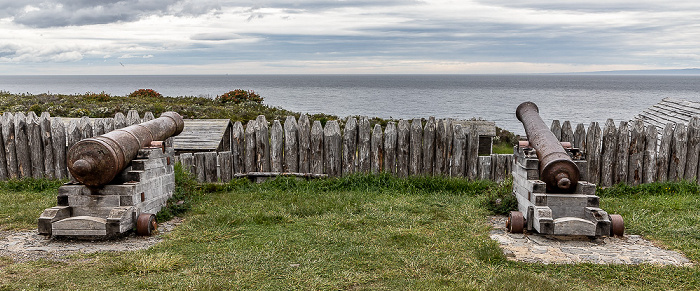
359, 233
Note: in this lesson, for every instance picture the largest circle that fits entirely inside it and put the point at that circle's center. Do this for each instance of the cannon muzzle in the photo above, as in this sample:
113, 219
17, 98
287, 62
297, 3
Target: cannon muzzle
96, 161
556, 167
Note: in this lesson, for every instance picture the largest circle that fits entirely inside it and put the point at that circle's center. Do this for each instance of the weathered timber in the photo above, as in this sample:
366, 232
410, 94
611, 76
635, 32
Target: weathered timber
449, 127
291, 145
119, 120
556, 129
440, 145
429, 146
498, 167
238, 148
199, 167
148, 116
349, 146
187, 162
364, 145
47, 146
458, 149
210, 167
390, 144
651, 137
472, 152
415, 164
250, 151
693, 145
98, 127
377, 155
332, 148
664, 155
262, 144
593, 151
225, 166
484, 168
607, 169
636, 161
109, 124
276, 146
622, 153
304, 130
679, 152
24, 164
403, 148
316, 148
567, 133
85, 127
3, 159
132, 117
580, 137
8, 135
36, 147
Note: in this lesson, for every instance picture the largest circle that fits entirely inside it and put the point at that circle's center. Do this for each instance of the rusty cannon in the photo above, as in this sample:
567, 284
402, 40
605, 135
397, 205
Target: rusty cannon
120, 181
552, 197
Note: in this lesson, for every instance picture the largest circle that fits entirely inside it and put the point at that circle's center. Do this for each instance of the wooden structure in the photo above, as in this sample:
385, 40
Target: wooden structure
671, 110
486, 130
204, 135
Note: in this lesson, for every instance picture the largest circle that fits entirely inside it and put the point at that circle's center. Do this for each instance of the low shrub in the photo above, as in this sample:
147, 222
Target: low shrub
148, 93
239, 96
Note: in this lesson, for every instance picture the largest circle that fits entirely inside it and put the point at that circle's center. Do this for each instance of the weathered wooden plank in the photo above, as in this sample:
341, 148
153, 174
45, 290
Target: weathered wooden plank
593, 152
498, 167
210, 167
3, 159
148, 116
349, 146
225, 166
390, 145
316, 164
664, 156
651, 137
250, 155
472, 153
556, 129
85, 127
187, 162
693, 148
567, 133
458, 149
429, 146
415, 163
24, 160
679, 153
119, 120
98, 127
377, 150
262, 144
622, 153
8, 135
364, 145
304, 133
132, 117
580, 137
109, 124
440, 147
403, 148
291, 145
485, 168
276, 146
200, 167
607, 170
449, 127
36, 146
237, 148
636, 161
332, 147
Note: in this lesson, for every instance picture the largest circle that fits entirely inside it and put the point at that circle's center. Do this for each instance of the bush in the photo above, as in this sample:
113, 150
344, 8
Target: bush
239, 96
145, 93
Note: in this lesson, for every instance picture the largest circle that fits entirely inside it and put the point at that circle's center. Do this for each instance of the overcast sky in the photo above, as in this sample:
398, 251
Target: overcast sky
346, 36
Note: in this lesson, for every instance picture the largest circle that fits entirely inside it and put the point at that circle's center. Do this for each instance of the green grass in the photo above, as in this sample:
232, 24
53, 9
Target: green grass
21, 202
355, 233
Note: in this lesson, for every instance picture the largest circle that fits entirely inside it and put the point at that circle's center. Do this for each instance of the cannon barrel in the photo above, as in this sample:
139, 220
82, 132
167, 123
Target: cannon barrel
96, 161
556, 167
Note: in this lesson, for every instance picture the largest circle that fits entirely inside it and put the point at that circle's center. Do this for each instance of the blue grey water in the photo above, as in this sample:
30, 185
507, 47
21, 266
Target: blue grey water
578, 98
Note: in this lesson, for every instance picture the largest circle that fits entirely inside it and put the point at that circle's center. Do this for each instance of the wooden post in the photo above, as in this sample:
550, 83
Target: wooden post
679, 152
664, 156
276, 146
200, 166
262, 144
567, 133
580, 137
556, 129
291, 145
250, 152
440, 145
390, 144
415, 163
210, 167
98, 127
607, 170
485, 168
238, 148
622, 153
449, 127
377, 159
148, 116
332, 148
472, 156
109, 124
47, 145
429, 146
8, 135
458, 150
36, 146
316, 153
403, 150
187, 162
119, 120
691, 160
225, 166
304, 143
364, 145
132, 117
593, 152
85, 127
636, 161
349, 146
651, 137
498, 167
3, 159
24, 159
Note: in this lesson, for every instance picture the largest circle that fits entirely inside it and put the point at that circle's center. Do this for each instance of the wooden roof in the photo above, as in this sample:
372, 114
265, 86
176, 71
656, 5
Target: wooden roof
201, 135
485, 127
669, 110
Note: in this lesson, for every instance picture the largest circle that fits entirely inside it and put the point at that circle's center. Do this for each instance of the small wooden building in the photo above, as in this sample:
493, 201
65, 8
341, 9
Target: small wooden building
204, 135
671, 110
487, 131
